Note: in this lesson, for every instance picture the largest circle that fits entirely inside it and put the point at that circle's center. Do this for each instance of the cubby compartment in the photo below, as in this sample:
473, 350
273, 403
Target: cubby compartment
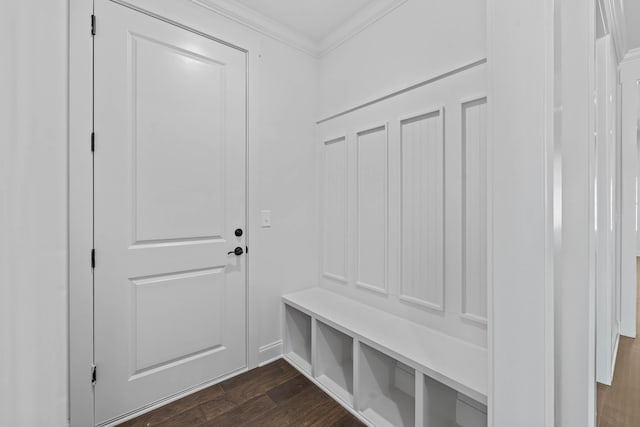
439, 404
386, 389
470, 413
334, 361
298, 338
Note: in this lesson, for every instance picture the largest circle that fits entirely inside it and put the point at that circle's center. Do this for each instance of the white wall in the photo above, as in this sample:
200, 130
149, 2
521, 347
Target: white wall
418, 40
282, 258
33, 213
521, 346
33, 208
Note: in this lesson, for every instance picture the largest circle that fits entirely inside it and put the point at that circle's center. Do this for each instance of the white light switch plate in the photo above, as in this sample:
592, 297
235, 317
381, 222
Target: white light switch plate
265, 219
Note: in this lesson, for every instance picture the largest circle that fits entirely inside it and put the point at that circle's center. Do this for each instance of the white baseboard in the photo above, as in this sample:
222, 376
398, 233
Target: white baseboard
614, 356
269, 353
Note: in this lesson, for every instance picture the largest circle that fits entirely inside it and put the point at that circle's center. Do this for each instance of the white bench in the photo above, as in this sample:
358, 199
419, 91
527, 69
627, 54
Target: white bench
384, 369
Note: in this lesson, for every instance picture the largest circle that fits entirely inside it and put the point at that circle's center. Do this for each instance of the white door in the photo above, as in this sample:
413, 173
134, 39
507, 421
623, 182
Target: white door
169, 189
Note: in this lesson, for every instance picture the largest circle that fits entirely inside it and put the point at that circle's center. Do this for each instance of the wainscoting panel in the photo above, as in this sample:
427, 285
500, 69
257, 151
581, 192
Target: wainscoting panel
422, 210
371, 209
474, 209
404, 203
335, 228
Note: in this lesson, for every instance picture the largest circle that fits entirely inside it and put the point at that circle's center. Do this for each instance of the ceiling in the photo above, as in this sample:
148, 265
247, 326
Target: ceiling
312, 18
313, 26
631, 11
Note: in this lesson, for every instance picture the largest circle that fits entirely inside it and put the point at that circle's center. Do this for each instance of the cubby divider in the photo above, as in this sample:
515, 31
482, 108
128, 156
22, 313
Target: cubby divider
386, 389
334, 356
381, 378
298, 337
438, 404
470, 413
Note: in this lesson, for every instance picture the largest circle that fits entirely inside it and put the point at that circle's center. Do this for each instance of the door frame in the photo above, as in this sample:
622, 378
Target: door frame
80, 179
629, 72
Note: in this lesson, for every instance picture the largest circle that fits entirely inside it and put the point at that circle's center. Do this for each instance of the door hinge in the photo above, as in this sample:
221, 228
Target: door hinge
93, 258
93, 25
93, 142
93, 374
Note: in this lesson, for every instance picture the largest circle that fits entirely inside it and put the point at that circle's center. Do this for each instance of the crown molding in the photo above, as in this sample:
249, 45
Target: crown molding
269, 27
357, 23
260, 23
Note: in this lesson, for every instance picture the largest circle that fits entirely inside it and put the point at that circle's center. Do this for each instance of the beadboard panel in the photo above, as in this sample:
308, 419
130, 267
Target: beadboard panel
474, 209
400, 186
334, 210
422, 210
371, 209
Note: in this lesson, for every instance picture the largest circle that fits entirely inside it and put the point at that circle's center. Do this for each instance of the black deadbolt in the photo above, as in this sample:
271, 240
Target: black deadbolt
237, 251
238, 232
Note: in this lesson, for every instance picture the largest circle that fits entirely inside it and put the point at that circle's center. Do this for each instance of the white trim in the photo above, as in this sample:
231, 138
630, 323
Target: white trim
471, 99
463, 103
260, 23
340, 279
270, 353
322, 172
404, 89
80, 214
615, 356
522, 230
437, 110
629, 79
270, 27
358, 23
371, 128
473, 318
575, 248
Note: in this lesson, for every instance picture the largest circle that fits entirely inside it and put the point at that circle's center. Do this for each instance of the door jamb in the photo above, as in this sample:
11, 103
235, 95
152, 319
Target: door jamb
80, 220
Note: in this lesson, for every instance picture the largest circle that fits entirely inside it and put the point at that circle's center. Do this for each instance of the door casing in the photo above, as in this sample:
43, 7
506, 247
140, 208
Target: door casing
80, 205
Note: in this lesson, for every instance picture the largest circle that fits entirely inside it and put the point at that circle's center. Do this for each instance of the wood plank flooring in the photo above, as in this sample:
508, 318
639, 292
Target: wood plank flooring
619, 404
273, 395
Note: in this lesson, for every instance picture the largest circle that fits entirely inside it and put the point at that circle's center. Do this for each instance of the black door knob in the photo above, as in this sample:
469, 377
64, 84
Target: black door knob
238, 232
237, 251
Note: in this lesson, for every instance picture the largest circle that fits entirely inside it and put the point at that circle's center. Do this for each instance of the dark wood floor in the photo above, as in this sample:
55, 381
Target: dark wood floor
273, 395
619, 405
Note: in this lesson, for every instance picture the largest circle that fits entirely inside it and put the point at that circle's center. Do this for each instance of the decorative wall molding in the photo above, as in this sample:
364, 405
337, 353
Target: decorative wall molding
416, 233
422, 209
335, 239
372, 220
475, 197
405, 89
357, 23
317, 48
261, 24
